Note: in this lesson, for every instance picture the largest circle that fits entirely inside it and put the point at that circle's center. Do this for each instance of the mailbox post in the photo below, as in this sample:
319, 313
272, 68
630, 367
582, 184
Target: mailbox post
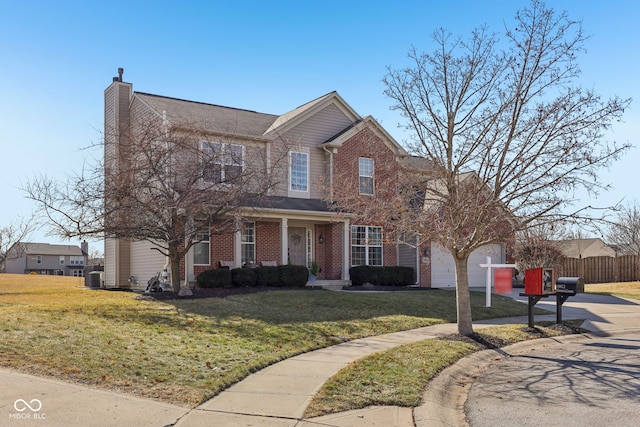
541, 283
566, 287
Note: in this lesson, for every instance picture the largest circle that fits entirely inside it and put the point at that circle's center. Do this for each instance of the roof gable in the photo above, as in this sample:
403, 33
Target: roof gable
298, 115
371, 123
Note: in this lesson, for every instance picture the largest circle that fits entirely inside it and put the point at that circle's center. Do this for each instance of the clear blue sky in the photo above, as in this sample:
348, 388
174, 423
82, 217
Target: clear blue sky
57, 57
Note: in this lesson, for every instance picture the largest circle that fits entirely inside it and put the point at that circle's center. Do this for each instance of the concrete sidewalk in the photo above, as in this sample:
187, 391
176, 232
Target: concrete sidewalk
278, 395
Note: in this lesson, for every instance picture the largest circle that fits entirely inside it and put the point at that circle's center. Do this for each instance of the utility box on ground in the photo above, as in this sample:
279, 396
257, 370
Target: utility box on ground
540, 281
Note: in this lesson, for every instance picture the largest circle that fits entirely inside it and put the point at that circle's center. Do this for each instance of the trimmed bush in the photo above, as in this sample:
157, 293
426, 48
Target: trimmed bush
293, 276
267, 276
243, 277
381, 276
216, 278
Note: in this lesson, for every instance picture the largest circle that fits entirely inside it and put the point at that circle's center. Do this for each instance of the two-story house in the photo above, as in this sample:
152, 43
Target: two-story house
297, 226
45, 258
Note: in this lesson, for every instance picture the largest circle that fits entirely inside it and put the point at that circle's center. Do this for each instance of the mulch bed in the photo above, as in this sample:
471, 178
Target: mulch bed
213, 293
225, 292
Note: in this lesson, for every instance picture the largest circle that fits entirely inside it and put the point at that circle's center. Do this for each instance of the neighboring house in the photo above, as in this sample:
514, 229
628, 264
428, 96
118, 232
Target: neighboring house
44, 258
298, 227
585, 248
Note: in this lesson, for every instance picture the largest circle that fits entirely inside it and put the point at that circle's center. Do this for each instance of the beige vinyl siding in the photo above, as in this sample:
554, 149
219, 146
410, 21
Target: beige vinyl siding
314, 131
145, 261
110, 263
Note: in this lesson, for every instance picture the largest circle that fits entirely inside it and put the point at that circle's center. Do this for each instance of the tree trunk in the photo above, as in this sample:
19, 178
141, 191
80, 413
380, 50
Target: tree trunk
174, 263
463, 299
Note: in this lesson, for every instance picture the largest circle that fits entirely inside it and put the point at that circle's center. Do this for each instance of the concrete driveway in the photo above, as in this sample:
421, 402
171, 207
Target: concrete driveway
592, 380
589, 382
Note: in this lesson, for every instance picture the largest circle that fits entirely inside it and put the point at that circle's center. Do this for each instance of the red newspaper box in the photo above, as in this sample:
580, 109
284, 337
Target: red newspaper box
540, 281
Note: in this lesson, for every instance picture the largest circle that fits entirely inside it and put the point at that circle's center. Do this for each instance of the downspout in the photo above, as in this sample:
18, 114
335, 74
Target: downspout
330, 171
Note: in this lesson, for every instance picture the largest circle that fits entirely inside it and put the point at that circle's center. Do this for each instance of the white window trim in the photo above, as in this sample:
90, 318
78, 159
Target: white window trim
367, 245
244, 243
221, 163
372, 176
208, 242
307, 178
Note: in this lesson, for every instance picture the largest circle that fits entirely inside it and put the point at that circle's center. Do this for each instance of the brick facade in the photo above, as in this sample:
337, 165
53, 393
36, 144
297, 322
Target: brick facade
268, 245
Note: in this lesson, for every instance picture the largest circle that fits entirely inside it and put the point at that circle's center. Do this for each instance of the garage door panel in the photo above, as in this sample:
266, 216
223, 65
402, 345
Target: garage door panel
443, 267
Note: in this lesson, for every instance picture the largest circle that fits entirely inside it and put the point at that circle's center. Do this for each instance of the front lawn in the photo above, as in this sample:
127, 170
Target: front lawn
186, 351
629, 290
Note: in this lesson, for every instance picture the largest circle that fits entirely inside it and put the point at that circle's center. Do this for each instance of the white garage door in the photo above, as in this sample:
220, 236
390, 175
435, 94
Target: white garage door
443, 270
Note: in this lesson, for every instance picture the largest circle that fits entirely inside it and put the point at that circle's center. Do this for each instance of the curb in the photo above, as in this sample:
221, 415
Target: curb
445, 396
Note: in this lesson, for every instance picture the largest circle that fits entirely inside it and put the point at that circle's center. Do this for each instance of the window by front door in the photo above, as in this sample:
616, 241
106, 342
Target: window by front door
248, 243
366, 245
201, 252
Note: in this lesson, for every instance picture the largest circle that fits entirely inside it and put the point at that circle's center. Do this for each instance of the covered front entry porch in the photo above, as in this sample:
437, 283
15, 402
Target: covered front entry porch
304, 241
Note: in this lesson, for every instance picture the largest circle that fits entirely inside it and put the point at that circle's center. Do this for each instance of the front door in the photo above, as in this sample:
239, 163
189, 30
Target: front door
298, 246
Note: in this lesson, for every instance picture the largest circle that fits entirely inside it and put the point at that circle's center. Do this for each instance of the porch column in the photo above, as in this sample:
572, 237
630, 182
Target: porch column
237, 247
284, 241
346, 229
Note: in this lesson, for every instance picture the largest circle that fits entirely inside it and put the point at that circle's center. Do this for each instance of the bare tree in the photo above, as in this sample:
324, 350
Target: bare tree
538, 247
162, 182
502, 137
624, 230
12, 234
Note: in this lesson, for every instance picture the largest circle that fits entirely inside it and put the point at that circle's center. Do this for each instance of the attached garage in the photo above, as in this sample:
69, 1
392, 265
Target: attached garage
443, 269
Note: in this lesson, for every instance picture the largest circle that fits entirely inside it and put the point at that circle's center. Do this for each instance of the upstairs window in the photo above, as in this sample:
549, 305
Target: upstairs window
366, 245
222, 163
38, 259
299, 171
61, 259
366, 167
76, 260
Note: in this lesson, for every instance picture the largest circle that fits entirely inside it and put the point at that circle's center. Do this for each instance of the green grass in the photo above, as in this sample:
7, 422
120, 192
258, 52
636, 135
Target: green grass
398, 376
186, 351
629, 290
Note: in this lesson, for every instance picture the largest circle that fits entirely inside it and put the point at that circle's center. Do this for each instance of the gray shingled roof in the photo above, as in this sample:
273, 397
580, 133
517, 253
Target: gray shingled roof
49, 249
210, 117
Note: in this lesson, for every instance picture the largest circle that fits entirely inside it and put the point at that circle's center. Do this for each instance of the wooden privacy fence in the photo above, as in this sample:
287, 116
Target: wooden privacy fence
602, 269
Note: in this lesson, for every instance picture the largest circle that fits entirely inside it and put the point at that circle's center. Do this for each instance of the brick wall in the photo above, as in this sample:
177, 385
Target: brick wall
268, 246
346, 164
329, 253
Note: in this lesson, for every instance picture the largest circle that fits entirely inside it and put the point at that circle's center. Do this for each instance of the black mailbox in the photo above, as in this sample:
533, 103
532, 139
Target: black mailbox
569, 285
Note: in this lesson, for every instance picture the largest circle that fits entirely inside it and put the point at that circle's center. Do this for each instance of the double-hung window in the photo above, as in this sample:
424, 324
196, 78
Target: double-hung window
76, 260
222, 163
201, 252
299, 171
248, 243
366, 245
366, 168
